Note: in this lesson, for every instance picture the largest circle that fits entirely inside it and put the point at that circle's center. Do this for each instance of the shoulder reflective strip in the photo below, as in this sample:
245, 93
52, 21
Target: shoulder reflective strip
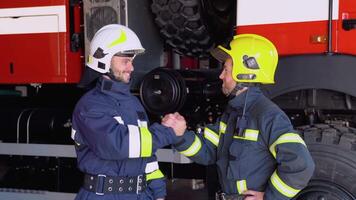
282, 187
241, 186
119, 119
134, 141
146, 142
286, 138
211, 136
222, 128
250, 134
142, 123
39, 19
154, 175
73, 134
150, 167
193, 149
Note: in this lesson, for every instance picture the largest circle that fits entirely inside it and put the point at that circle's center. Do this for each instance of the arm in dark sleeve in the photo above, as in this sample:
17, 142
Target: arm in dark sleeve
156, 182
295, 165
112, 140
201, 148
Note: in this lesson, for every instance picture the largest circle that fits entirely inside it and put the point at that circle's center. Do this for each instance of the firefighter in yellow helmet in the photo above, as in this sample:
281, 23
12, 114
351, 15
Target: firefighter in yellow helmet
257, 152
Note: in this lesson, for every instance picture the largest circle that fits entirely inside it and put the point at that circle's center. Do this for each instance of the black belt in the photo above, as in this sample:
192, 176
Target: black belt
102, 184
223, 196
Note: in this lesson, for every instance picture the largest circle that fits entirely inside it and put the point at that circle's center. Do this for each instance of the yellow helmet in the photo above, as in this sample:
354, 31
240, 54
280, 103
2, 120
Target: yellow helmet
254, 58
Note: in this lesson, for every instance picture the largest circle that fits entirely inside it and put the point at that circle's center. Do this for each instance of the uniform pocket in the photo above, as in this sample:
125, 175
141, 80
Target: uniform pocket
233, 170
239, 154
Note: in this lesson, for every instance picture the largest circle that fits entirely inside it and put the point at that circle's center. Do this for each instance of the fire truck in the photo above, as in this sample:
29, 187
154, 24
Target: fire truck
43, 45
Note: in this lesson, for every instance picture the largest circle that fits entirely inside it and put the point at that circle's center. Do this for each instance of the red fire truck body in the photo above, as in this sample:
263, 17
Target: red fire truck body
36, 42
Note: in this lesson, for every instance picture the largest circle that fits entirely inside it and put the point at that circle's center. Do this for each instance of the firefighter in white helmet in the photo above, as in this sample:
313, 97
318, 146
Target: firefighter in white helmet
115, 144
258, 154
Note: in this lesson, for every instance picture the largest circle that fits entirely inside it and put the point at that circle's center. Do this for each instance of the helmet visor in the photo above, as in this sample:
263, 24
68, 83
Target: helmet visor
220, 53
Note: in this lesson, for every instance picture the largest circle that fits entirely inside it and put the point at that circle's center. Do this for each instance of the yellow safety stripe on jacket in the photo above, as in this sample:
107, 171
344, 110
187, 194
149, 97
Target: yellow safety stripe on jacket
241, 186
211, 136
250, 134
193, 149
146, 140
222, 128
154, 175
282, 187
286, 138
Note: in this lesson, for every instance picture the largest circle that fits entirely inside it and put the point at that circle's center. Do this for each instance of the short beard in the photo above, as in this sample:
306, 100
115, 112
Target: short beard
225, 91
119, 76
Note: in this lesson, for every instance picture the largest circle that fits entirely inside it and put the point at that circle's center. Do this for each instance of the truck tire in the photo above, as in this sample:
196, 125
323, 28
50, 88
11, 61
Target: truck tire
333, 148
184, 26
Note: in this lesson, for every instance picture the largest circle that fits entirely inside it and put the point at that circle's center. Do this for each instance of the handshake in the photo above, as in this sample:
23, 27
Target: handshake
176, 122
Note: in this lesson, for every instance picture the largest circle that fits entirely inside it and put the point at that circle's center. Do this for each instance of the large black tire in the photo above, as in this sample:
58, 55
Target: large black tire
193, 27
333, 148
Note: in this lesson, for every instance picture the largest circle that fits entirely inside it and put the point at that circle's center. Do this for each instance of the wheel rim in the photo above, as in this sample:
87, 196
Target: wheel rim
324, 190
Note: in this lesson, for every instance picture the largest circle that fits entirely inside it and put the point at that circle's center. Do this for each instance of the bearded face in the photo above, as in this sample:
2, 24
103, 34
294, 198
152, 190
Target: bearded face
121, 68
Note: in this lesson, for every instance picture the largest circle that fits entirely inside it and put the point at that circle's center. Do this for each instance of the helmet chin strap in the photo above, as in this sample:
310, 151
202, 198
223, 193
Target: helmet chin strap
238, 89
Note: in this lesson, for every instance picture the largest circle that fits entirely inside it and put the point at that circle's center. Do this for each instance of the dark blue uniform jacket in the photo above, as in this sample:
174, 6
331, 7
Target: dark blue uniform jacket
112, 136
258, 151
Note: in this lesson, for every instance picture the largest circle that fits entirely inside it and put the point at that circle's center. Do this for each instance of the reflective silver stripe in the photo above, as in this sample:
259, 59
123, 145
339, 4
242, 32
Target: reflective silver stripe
72, 135
286, 138
119, 120
222, 128
151, 167
193, 149
249, 134
282, 187
134, 141
142, 123
211, 136
241, 186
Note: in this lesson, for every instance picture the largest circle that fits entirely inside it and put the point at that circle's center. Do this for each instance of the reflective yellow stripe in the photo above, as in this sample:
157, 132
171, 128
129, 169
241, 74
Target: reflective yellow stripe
146, 142
211, 136
286, 138
241, 186
90, 59
250, 134
282, 187
193, 149
146, 139
119, 40
154, 175
222, 128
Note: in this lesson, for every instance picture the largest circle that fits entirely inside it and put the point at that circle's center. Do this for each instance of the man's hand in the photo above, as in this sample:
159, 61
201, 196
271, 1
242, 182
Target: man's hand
176, 122
253, 195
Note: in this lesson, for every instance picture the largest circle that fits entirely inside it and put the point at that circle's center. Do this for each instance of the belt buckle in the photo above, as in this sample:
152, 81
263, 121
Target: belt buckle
138, 183
222, 196
97, 184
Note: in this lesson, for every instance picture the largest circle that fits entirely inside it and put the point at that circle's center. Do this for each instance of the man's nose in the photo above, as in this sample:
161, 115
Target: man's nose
221, 76
130, 66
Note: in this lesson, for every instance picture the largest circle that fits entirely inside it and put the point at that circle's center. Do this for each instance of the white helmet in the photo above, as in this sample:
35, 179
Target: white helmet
108, 41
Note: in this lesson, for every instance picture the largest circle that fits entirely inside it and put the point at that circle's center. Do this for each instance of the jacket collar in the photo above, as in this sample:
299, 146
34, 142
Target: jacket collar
116, 89
238, 101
